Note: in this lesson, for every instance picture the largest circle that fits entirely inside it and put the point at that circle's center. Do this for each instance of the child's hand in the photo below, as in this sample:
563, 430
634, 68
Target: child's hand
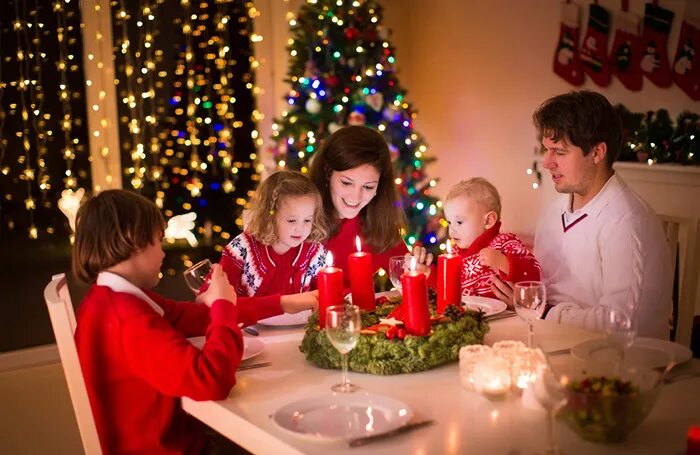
494, 259
295, 303
422, 256
219, 288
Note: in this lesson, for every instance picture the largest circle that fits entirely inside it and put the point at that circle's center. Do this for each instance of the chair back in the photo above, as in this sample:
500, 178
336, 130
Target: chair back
62, 317
682, 237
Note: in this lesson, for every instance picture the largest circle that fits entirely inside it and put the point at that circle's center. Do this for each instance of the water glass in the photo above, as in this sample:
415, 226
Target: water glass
529, 299
551, 394
343, 331
620, 330
398, 265
197, 275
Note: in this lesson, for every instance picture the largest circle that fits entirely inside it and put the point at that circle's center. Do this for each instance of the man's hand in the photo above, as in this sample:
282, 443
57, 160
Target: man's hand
503, 290
295, 303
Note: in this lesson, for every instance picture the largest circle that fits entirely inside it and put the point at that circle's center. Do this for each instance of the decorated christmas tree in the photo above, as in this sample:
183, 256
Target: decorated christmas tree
342, 72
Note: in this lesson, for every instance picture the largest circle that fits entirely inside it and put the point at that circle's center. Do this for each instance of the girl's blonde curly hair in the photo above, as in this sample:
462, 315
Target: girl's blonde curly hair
260, 215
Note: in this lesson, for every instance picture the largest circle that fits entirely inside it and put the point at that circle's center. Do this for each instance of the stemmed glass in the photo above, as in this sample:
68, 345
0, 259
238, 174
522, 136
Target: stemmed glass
529, 299
343, 331
620, 329
197, 275
550, 393
400, 264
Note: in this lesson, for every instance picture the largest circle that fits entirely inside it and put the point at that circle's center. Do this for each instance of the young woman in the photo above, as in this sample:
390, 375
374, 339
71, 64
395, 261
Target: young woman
353, 172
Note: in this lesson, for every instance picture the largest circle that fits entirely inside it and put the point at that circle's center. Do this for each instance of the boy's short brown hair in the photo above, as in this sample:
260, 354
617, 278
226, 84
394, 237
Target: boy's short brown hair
110, 227
481, 191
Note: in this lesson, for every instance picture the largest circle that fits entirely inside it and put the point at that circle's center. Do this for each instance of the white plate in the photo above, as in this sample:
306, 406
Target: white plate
487, 305
251, 346
391, 294
342, 416
650, 352
287, 319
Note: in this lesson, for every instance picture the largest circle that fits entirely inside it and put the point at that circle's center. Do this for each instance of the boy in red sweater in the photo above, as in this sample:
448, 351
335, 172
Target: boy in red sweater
473, 211
132, 343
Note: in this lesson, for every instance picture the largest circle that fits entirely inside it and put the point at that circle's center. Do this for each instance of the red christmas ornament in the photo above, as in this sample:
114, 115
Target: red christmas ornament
351, 33
332, 81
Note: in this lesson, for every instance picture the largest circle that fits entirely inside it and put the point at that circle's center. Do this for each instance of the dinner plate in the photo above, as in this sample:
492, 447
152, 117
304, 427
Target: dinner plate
252, 347
341, 416
487, 305
650, 352
287, 319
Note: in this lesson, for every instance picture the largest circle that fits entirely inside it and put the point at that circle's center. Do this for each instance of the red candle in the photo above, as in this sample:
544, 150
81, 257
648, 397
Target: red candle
330, 288
361, 278
449, 291
415, 301
693, 440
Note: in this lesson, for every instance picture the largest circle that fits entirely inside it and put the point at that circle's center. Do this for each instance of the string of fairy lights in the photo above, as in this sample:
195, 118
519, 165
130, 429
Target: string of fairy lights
207, 112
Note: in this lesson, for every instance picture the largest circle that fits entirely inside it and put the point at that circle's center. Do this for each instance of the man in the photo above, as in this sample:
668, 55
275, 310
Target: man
602, 249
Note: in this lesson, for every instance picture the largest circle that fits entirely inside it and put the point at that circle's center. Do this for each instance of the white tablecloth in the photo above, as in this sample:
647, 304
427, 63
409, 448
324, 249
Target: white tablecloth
465, 422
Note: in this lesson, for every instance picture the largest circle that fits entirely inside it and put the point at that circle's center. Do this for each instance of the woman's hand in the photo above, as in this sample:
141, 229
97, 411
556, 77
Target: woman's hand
422, 256
219, 288
294, 303
503, 290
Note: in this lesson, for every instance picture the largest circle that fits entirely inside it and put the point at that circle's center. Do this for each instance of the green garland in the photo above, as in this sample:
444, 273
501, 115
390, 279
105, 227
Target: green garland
376, 354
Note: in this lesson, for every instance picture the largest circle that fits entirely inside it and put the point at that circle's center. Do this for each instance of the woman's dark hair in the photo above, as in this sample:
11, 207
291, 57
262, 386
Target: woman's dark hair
582, 118
350, 147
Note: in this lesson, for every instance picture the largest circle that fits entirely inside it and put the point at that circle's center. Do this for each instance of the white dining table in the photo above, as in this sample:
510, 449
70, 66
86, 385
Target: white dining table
465, 421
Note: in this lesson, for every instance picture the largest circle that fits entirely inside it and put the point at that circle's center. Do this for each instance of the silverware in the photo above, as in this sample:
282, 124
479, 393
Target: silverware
503, 315
559, 352
250, 331
376, 437
252, 366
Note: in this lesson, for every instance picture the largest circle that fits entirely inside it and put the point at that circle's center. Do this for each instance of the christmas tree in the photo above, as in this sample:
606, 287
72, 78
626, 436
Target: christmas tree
342, 72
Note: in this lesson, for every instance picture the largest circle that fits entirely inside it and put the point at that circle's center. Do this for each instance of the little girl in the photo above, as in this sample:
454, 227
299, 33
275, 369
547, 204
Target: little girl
280, 251
473, 211
132, 343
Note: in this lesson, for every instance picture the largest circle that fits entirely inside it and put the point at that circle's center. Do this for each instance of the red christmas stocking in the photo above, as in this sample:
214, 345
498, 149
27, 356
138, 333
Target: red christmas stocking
566, 58
595, 46
626, 52
657, 24
686, 65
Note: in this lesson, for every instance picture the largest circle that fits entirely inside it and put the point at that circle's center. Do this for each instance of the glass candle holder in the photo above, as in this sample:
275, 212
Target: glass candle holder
491, 377
469, 357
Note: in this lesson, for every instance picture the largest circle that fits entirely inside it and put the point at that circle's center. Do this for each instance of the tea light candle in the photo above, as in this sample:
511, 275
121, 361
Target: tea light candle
361, 278
492, 377
449, 291
469, 357
415, 301
330, 288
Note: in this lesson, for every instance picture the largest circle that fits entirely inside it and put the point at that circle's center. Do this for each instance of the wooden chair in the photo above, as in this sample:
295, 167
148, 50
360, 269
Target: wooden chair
63, 321
682, 237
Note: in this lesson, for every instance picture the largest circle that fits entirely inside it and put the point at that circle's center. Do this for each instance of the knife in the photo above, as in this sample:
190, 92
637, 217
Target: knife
253, 366
376, 437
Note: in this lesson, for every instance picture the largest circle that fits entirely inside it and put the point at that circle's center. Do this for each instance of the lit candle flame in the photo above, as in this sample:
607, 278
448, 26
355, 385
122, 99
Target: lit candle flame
448, 246
413, 264
329, 259
357, 243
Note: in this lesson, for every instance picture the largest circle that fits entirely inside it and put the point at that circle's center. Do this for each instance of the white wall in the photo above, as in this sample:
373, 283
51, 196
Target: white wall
476, 70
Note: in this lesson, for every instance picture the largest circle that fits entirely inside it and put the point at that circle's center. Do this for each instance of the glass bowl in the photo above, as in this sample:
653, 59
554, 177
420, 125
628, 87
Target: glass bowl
612, 402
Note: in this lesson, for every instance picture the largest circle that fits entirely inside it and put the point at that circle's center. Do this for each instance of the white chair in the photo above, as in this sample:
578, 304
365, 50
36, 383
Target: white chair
682, 237
63, 321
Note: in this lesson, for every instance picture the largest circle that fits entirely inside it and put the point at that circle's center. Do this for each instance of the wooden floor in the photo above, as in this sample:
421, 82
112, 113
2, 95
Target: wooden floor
36, 415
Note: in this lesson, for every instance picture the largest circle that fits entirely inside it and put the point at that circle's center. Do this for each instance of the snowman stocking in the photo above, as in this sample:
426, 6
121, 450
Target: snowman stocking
595, 46
566, 59
686, 65
626, 52
657, 24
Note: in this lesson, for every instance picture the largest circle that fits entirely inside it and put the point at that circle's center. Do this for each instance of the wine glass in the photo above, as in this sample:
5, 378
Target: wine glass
343, 331
529, 299
550, 393
620, 330
197, 275
398, 265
